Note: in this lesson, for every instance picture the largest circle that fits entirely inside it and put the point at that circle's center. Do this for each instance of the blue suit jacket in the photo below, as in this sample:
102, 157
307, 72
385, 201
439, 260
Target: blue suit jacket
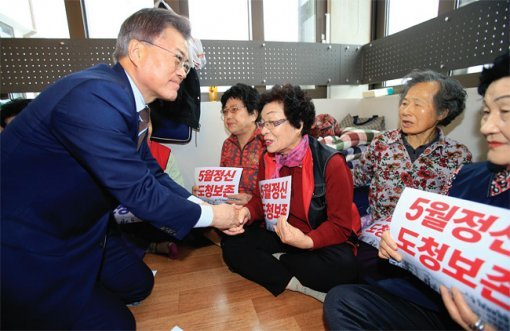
66, 162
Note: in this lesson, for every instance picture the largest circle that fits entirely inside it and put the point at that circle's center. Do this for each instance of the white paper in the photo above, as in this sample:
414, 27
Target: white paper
275, 195
216, 183
454, 242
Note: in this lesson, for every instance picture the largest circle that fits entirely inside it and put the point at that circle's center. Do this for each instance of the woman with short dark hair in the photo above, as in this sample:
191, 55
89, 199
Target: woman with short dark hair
313, 250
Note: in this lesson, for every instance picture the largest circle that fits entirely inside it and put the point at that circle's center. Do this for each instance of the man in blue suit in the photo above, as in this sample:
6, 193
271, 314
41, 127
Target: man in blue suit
67, 161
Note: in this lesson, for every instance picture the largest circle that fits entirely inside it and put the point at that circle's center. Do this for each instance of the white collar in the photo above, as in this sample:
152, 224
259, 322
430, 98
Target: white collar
139, 101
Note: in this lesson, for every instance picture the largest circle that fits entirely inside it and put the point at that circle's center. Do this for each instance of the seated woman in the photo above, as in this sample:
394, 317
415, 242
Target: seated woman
418, 155
245, 145
358, 307
311, 251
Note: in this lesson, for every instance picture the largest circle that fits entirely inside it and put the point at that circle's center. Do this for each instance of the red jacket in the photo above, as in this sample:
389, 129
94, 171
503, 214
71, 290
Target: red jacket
339, 195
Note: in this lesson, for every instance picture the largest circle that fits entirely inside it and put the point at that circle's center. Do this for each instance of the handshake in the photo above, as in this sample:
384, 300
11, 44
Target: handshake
230, 218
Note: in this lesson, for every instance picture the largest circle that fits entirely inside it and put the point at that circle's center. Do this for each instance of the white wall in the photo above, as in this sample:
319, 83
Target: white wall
464, 128
205, 147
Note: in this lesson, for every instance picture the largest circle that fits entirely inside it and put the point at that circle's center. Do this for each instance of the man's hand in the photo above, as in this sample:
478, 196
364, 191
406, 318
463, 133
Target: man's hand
291, 235
239, 199
388, 248
225, 216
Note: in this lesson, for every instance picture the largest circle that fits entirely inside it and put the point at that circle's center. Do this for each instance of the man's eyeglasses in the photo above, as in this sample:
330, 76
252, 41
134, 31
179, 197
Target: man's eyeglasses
270, 124
180, 62
233, 110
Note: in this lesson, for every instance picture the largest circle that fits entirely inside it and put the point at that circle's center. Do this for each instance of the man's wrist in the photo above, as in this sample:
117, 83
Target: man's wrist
206, 217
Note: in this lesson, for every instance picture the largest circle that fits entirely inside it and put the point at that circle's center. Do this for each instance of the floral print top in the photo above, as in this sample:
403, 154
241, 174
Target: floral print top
387, 168
247, 158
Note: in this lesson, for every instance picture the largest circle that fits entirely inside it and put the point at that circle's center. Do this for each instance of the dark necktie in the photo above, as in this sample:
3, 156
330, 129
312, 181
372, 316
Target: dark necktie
143, 125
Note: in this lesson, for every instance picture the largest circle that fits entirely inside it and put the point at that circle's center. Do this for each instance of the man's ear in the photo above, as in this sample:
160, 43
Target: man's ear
135, 51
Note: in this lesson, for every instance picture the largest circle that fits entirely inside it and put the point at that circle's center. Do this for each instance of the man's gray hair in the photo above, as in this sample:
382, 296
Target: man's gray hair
147, 24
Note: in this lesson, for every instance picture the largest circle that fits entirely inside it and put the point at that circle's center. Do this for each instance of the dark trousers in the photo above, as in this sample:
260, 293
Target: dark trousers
367, 307
391, 298
124, 278
250, 255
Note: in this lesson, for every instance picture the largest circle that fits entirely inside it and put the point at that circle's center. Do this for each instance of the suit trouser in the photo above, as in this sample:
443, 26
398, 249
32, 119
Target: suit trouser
367, 307
124, 278
250, 255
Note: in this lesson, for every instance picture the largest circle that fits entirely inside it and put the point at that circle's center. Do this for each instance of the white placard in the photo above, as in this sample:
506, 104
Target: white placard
372, 232
216, 183
455, 242
123, 216
275, 195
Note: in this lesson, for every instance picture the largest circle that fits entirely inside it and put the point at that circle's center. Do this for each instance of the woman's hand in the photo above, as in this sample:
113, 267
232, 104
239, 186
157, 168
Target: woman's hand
239, 199
194, 190
291, 235
234, 231
388, 248
460, 312
243, 216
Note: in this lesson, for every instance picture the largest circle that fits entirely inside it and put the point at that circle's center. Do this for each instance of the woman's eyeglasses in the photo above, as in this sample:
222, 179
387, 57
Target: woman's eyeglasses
232, 110
270, 124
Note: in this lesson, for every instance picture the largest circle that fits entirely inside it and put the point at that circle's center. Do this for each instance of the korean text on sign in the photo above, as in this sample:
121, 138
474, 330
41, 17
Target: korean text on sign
216, 183
373, 232
275, 195
458, 243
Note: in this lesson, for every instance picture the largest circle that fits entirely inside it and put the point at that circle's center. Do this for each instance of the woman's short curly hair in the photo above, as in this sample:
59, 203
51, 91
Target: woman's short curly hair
450, 96
297, 106
247, 94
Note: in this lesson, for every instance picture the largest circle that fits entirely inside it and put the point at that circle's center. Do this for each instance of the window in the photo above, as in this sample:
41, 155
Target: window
220, 19
283, 20
34, 19
104, 18
402, 14
289, 20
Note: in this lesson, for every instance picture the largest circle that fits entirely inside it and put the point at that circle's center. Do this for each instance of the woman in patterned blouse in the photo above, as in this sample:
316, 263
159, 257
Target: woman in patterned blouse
418, 155
483, 182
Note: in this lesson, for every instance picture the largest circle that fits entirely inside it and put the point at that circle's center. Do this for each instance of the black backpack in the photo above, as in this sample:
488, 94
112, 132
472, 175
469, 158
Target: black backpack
321, 154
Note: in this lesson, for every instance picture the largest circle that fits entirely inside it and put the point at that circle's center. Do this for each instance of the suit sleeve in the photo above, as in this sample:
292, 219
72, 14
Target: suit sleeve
98, 125
162, 176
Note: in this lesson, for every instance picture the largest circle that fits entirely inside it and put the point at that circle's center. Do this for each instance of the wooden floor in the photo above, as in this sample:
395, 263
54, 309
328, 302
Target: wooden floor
198, 292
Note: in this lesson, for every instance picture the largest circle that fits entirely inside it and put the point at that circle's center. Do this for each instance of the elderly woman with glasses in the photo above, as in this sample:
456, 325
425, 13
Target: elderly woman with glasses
242, 149
314, 249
